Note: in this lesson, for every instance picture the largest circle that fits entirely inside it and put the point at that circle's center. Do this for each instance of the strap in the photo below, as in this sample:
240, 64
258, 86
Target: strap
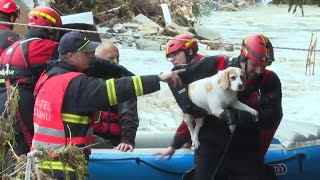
25, 47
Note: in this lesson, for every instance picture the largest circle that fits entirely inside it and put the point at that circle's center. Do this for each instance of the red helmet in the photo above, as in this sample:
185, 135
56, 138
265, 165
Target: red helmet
257, 48
9, 6
187, 42
44, 16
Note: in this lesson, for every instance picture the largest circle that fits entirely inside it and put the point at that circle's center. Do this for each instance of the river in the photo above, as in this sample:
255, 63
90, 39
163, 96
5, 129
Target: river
301, 97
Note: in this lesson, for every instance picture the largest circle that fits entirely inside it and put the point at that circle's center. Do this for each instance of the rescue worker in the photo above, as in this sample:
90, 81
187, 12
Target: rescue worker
120, 123
9, 12
65, 98
182, 49
24, 61
243, 157
22, 64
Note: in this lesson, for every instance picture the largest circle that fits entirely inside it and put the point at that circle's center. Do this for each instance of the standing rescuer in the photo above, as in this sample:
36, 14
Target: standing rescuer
222, 155
9, 12
66, 98
22, 64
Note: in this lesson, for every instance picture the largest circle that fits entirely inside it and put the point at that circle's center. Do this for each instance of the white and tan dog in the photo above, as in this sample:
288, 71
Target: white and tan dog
214, 94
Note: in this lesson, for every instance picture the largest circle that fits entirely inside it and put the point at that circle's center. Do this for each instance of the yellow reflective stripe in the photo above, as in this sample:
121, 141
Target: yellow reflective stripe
43, 14
54, 165
137, 83
72, 118
188, 43
111, 89
84, 44
2, 80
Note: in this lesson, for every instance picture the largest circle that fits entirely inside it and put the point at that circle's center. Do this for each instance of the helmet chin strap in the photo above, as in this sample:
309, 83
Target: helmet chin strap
189, 58
244, 65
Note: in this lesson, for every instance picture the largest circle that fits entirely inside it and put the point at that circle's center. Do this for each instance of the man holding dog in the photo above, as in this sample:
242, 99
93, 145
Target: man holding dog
240, 155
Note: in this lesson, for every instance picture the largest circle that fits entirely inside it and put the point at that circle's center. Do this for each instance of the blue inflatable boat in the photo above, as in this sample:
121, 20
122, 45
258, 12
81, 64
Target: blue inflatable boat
301, 163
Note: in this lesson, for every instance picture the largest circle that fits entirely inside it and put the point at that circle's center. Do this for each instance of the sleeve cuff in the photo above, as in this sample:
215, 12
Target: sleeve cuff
178, 142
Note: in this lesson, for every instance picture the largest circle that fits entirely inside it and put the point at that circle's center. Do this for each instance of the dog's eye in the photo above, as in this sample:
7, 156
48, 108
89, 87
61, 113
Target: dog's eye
233, 78
242, 77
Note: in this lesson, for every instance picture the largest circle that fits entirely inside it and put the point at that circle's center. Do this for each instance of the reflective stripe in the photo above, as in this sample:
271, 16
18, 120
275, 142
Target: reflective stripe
43, 14
54, 165
48, 131
36, 144
90, 131
87, 42
76, 119
112, 96
138, 88
2, 80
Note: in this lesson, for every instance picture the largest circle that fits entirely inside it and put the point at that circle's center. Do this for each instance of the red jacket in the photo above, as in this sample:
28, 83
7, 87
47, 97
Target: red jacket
253, 100
107, 124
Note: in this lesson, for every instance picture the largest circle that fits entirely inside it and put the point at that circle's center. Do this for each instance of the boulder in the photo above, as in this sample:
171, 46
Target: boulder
208, 33
173, 29
141, 19
148, 44
119, 28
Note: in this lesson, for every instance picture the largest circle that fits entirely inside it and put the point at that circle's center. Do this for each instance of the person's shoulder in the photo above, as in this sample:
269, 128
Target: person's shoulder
271, 77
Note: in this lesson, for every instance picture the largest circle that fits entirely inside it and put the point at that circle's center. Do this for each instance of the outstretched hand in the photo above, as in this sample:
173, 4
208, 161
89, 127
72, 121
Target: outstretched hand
172, 77
168, 152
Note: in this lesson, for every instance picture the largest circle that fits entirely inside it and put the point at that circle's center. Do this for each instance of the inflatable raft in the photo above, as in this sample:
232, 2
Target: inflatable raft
296, 160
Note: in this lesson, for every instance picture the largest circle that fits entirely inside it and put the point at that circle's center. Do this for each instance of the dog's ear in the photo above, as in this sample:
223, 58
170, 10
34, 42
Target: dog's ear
224, 80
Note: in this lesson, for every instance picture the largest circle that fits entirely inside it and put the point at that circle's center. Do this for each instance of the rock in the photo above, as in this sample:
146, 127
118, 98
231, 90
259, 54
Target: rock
213, 45
139, 34
119, 28
112, 39
141, 19
228, 7
148, 44
150, 30
207, 33
228, 47
132, 26
111, 30
173, 29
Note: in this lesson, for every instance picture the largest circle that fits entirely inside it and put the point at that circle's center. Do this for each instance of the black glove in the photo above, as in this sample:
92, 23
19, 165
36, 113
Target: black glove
238, 117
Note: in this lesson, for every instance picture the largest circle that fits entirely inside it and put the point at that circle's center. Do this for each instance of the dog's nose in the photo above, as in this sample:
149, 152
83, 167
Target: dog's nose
240, 86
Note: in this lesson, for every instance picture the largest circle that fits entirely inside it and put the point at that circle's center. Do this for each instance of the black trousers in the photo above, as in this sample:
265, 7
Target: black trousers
238, 163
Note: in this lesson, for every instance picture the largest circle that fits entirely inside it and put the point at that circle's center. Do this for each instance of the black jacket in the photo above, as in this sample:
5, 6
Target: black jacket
127, 111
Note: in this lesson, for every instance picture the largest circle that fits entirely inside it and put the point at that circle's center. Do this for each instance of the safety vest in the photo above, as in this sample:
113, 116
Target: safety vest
7, 38
14, 64
107, 124
49, 128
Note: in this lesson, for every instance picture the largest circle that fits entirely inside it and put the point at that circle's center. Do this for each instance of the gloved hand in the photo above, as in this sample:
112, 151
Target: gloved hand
238, 117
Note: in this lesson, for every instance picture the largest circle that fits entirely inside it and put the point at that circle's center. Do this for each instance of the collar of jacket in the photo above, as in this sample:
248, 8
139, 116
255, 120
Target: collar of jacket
59, 67
36, 33
4, 27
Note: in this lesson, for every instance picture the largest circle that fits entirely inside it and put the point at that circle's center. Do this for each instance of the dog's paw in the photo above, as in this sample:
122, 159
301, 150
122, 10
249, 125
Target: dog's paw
196, 144
232, 127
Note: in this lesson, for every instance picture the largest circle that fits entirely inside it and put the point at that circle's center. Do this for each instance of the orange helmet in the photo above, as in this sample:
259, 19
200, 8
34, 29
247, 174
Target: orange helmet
187, 42
258, 48
44, 16
9, 6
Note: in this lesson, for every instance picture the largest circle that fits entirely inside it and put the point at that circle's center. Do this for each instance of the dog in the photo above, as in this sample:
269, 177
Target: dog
214, 94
